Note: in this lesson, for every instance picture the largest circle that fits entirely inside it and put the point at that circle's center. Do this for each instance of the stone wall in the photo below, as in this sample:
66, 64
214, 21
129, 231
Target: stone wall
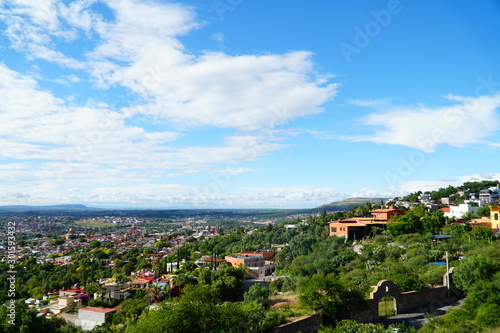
307, 324
426, 300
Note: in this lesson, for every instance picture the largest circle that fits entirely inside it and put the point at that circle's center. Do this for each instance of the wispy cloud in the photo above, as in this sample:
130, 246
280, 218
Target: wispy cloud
323, 135
432, 185
471, 120
374, 103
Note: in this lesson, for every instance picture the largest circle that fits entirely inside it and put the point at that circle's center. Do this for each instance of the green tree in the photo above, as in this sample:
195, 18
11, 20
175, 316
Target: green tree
257, 293
351, 326
481, 234
483, 211
473, 269
327, 296
198, 310
161, 244
25, 320
94, 244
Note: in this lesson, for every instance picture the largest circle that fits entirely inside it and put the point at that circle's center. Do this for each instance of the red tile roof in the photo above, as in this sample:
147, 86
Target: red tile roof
90, 308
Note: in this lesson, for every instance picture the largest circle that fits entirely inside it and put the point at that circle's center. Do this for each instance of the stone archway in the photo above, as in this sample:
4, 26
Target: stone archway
385, 293
404, 302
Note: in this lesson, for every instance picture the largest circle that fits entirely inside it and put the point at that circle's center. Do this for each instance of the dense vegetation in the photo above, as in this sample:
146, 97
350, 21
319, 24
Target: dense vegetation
320, 274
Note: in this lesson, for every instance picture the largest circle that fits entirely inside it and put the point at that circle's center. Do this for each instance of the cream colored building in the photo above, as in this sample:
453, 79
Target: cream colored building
495, 217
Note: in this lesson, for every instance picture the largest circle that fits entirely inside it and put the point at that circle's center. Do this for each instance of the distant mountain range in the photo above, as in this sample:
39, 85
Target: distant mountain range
23, 208
350, 203
82, 210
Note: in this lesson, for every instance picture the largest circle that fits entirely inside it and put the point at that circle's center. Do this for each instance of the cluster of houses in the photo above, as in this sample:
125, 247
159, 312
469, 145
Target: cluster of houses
66, 301
257, 264
359, 227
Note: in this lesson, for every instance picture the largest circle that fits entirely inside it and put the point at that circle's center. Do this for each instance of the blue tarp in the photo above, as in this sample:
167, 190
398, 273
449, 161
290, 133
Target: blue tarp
441, 236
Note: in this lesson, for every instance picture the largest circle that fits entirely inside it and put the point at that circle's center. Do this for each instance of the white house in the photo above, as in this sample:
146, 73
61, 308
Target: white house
459, 211
89, 317
424, 197
489, 195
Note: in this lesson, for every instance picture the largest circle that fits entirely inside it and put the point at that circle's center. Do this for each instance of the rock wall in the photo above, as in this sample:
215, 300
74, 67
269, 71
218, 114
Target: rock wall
426, 300
308, 324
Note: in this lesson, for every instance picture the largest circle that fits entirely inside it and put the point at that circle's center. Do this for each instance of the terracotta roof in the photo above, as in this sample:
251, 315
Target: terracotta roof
352, 224
90, 308
363, 220
143, 280
383, 210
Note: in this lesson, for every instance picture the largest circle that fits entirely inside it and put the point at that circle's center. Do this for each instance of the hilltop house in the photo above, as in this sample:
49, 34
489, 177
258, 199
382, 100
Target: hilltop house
256, 266
489, 195
266, 254
460, 210
358, 227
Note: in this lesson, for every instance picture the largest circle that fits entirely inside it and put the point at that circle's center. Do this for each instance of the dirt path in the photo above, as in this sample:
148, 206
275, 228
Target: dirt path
417, 319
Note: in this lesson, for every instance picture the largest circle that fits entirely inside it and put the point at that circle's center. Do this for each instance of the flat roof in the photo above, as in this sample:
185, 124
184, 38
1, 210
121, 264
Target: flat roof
91, 308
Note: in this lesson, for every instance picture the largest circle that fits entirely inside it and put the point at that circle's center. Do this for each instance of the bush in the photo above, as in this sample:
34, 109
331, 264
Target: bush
474, 269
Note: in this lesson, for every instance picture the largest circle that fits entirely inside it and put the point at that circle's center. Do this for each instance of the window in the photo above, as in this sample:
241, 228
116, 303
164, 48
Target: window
496, 217
334, 229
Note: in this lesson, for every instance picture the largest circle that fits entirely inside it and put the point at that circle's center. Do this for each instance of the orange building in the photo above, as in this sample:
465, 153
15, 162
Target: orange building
359, 227
266, 254
385, 214
237, 261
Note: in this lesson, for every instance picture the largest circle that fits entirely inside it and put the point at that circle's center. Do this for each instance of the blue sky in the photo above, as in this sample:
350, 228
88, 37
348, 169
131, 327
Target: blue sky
244, 104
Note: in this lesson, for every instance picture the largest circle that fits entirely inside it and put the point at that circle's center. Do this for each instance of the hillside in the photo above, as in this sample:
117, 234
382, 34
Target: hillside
350, 203
24, 208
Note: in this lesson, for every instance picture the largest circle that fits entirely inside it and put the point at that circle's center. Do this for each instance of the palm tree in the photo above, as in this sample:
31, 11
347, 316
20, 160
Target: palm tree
153, 292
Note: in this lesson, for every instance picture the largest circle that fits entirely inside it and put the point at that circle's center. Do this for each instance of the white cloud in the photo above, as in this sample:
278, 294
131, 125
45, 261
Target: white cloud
432, 185
67, 80
323, 135
139, 49
472, 120
374, 103
50, 145
32, 26
217, 37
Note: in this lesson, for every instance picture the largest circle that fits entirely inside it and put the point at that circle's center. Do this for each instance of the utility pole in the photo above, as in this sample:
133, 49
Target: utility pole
447, 274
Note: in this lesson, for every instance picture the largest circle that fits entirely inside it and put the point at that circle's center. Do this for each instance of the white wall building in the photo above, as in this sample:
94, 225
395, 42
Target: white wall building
489, 195
459, 211
89, 317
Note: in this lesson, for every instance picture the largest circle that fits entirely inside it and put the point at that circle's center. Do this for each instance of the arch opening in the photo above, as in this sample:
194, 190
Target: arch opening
387, 306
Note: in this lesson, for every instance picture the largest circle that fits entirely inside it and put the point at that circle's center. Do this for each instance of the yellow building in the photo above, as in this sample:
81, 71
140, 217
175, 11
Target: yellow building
495, 217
